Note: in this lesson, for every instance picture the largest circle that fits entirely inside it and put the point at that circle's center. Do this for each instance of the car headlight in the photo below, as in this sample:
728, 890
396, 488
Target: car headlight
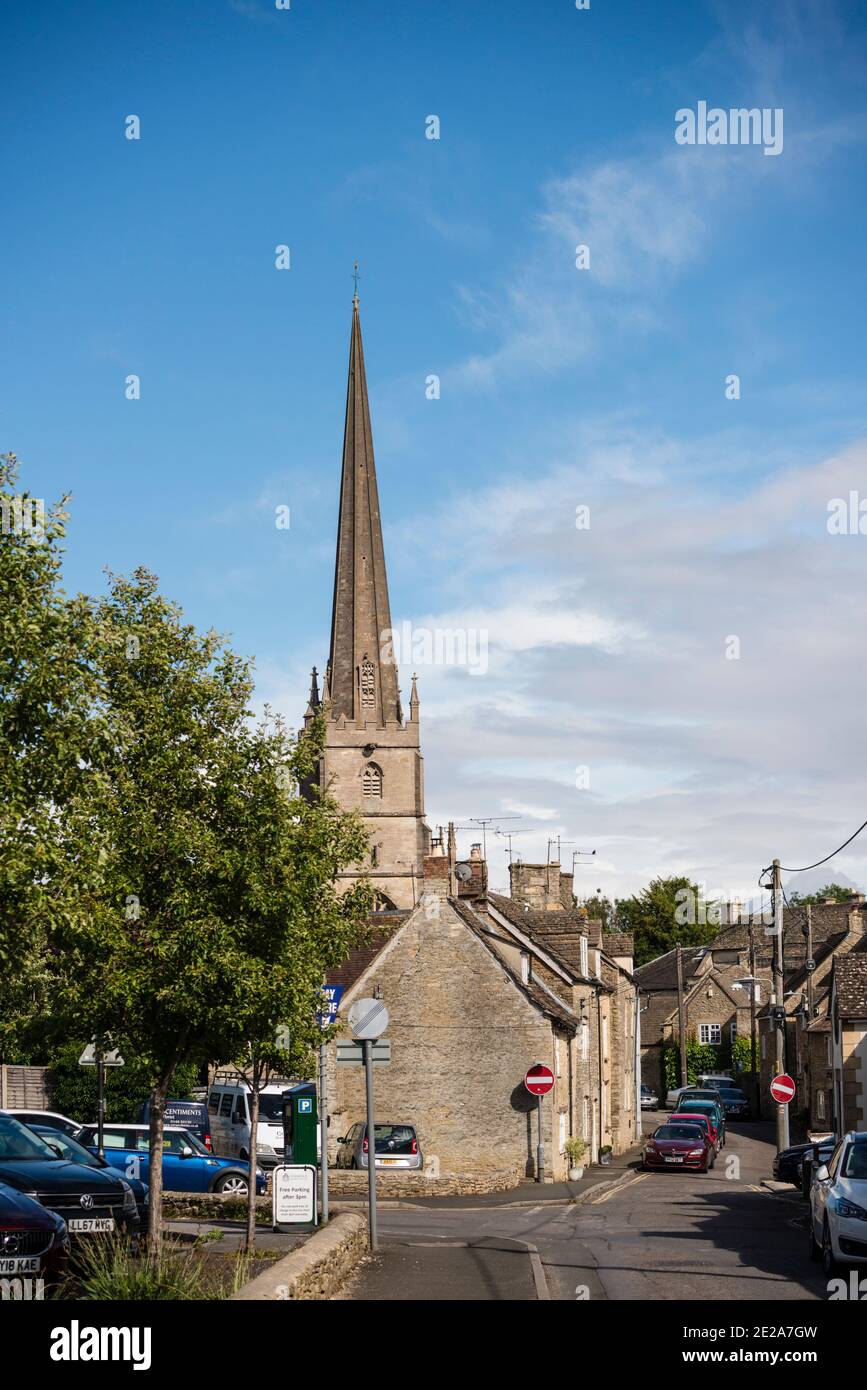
843, 1207
129, 1202
696, 1153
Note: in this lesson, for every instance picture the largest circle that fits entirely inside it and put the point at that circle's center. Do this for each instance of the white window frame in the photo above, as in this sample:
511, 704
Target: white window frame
710, 1028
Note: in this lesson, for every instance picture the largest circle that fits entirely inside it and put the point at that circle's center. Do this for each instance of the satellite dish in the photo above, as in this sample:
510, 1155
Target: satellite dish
463, 873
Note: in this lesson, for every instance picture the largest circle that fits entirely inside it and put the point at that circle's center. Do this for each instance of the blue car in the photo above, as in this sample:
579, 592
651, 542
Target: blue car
187, 1164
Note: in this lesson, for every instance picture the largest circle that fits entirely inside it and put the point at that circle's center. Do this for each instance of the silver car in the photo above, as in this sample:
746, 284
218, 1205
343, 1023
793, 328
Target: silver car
396, 1146
649, 1098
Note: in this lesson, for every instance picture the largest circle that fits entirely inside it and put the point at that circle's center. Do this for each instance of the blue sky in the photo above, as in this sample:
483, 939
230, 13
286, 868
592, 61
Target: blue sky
559, 387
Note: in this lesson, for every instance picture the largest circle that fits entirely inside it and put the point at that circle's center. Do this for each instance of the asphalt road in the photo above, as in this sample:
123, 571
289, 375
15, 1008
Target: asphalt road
715, 1236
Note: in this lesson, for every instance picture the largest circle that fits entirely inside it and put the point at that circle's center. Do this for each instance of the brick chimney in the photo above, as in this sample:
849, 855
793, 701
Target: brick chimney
566, 892
536, 886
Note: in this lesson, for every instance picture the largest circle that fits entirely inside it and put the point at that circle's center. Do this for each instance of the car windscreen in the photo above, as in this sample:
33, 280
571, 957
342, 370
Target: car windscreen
271, 1108
730, 1094
393, 1138
678, 1132
699, 1107
17, 1141
856, 1160
192, 1141
70, 1148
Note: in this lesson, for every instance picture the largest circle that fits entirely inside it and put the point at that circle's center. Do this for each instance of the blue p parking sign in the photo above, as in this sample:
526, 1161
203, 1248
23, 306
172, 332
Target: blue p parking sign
305, 1105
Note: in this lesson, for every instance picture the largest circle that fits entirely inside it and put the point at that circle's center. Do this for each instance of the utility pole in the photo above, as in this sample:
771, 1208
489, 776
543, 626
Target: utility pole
757, 1097
779, 1009
681, 1018
811, 965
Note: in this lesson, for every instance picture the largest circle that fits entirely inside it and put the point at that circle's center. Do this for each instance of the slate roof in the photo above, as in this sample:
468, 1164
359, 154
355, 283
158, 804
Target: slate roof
556, 932
618, 943
543, 999
358, 960
850, 975
661, 974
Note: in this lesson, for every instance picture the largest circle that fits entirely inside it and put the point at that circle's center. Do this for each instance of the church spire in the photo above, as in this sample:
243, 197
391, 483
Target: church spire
362, 675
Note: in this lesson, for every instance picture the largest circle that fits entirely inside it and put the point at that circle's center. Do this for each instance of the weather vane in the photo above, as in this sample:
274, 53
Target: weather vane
356, 277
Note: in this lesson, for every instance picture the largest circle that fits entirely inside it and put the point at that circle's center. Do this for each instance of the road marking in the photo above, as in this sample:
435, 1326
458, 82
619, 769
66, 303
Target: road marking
612, 1191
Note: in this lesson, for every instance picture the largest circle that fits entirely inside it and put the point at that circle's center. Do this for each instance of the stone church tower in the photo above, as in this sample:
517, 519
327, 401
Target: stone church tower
372, 758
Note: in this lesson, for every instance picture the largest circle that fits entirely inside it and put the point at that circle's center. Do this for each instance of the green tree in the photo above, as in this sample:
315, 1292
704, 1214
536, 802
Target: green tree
207, 909
835, 891
667, 911
46, 706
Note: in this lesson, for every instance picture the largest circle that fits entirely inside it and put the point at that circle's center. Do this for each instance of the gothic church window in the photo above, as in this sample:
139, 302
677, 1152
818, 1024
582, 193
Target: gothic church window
368, 684
371, 781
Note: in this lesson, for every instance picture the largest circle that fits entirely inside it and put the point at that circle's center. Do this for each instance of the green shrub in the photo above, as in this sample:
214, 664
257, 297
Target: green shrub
73, 1088
110, 1271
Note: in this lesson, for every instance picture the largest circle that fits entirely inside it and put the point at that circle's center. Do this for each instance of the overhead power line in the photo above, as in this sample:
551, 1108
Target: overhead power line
819, 862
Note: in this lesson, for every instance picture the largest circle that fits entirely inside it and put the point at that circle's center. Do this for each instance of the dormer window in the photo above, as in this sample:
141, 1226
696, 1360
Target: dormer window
371, 782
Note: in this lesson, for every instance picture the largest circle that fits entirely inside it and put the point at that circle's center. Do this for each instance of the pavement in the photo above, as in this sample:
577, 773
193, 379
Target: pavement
721, 1236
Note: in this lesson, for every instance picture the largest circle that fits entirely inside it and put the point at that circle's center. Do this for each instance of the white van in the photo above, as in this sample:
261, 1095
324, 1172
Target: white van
229, 1111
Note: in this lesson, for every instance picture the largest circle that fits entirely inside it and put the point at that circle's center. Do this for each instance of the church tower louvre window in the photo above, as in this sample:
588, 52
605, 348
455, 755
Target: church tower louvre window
368, 684
371, 782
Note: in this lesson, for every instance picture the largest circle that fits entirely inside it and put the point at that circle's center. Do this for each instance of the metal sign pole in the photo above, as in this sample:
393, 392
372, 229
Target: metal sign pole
323, 1135
540, 1147
100, 1100
367, 1047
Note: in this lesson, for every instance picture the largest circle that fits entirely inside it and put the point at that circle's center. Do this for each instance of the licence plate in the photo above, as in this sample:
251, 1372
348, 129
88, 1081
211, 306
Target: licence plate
81, 1224
24, 1264
389, 1160
674, 1160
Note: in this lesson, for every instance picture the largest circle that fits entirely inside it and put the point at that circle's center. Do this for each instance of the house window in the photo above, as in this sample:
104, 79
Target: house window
710, 1032
733, 1030
368, 684
371, 782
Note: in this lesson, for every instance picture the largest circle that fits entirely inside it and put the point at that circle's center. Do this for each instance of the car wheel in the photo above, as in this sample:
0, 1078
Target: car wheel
829, 1264
815, 1250
232, 1184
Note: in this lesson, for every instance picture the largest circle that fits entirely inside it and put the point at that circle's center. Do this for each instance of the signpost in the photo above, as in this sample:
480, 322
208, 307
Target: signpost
331, 997
95, 1056
368, 1019
351, 1054
293, 1195
539, 1081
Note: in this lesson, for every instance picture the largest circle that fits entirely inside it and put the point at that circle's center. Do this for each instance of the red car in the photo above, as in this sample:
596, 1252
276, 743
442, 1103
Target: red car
685, 1118
679, 1144
34, 1244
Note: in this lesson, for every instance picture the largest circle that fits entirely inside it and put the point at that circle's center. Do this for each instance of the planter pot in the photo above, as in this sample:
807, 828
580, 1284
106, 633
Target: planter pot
576, 1174
604, 1157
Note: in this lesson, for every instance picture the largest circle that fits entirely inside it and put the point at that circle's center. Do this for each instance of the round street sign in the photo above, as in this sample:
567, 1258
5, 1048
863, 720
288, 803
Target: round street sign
783, 1089
539, 1079
368, 1018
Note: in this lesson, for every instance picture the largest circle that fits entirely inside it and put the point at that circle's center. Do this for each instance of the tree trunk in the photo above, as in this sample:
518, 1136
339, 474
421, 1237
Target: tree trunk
251, 1195
155, 1143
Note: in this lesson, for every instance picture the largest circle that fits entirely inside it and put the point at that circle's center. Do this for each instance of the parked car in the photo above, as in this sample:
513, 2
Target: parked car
229, 1117
811, 1160
705, 1120
182, 1114
187, 1165
678, 1144
34, 1241
736, 1104
77, 1153
838, 1206
90, 1202
708, 1107
395, 1146
716, 1080
787, 1163
47, 1117
649, 1098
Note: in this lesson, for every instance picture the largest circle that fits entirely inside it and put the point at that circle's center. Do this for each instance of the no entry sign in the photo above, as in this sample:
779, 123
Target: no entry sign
539, 1080
783, 1089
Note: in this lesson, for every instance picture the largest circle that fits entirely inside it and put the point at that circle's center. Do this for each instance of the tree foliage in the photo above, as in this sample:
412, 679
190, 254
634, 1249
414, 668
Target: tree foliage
651, 916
